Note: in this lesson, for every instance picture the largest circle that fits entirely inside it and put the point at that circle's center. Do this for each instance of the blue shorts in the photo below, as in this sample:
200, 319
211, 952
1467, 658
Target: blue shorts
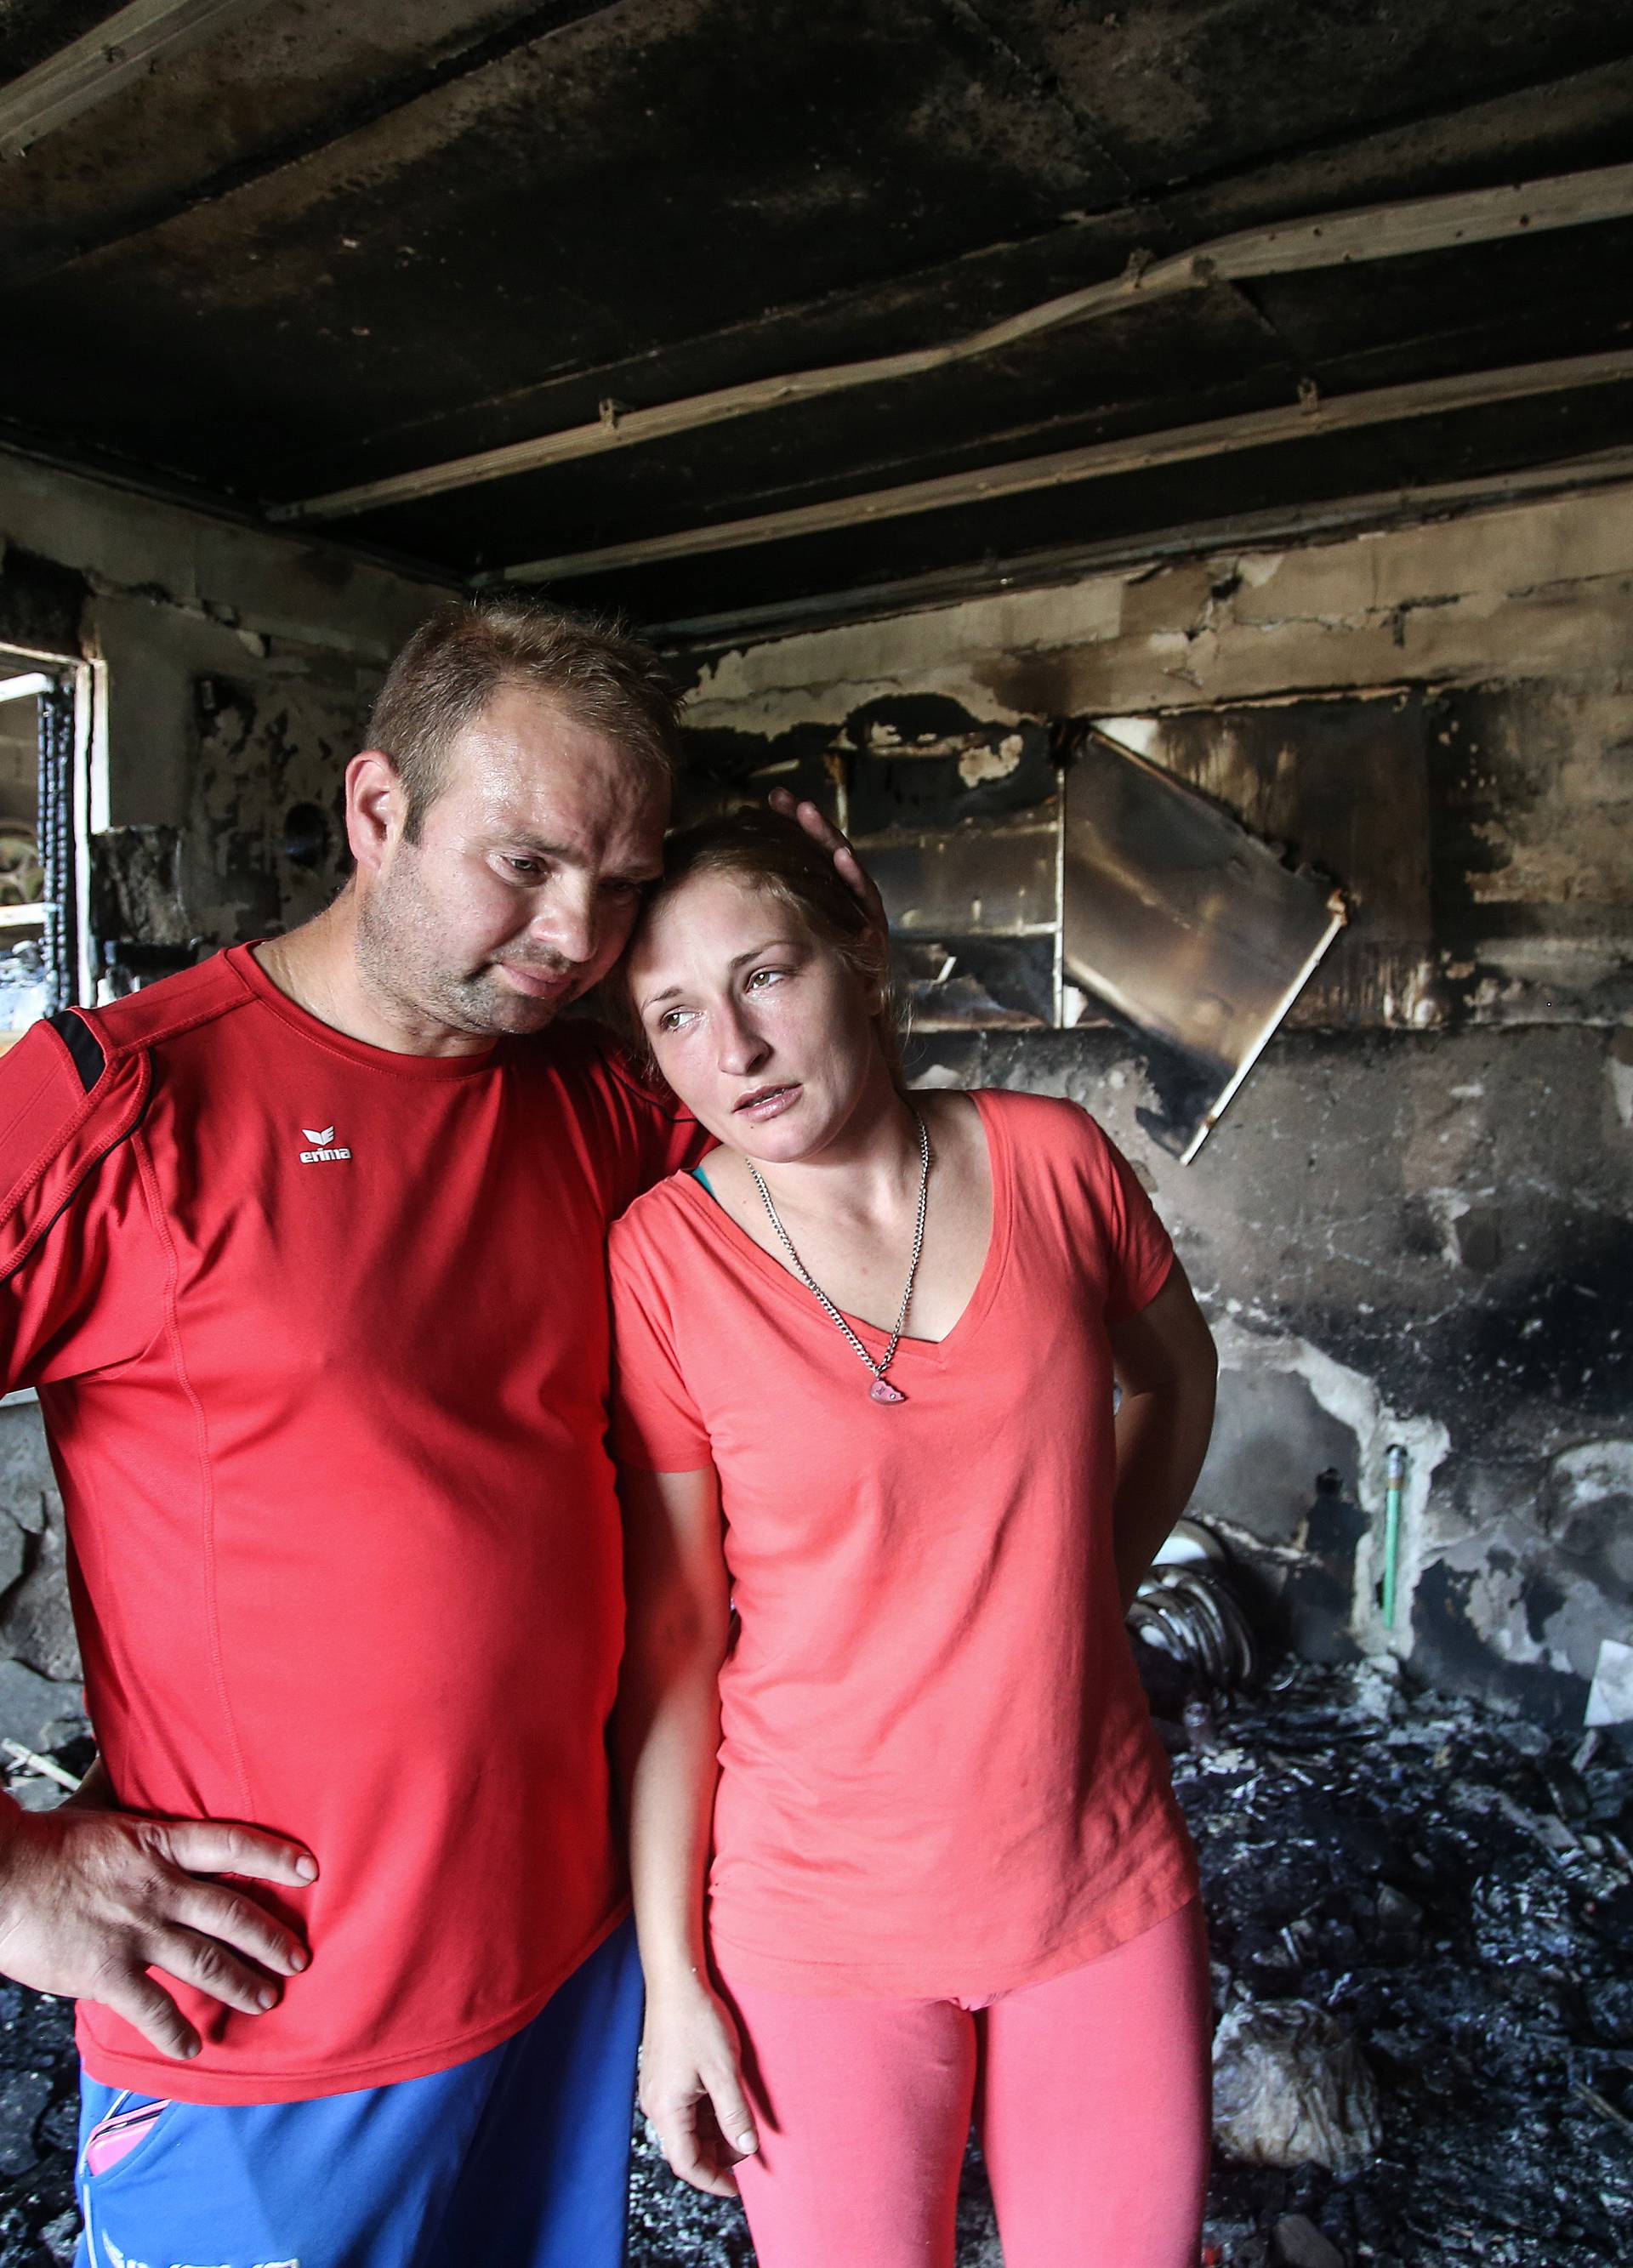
519, 2157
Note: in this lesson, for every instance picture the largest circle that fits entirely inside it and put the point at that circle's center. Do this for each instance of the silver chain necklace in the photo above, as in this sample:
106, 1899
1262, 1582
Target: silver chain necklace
881, 1390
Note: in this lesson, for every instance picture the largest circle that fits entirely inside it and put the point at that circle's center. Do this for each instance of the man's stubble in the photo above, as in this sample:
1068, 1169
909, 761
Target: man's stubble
402, 957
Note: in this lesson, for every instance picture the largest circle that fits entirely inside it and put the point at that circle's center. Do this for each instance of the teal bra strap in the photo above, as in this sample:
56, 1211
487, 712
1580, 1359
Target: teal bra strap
697, 1175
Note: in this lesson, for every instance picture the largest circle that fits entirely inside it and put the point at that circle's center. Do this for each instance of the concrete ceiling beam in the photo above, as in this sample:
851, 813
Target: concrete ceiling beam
1309, 417
1326, 240
1279, 527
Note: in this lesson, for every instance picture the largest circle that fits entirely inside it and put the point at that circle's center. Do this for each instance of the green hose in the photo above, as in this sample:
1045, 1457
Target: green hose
1394, 1474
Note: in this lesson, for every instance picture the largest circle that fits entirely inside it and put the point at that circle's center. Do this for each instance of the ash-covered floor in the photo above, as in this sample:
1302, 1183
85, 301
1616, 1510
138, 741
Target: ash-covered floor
1422, 1938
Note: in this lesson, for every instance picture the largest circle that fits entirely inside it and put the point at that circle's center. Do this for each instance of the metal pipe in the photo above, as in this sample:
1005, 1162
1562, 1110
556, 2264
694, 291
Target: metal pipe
116, 50
1394, 1477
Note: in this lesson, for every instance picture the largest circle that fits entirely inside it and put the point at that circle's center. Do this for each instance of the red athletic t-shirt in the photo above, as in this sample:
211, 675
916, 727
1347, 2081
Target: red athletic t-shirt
320, 1337
938, 1773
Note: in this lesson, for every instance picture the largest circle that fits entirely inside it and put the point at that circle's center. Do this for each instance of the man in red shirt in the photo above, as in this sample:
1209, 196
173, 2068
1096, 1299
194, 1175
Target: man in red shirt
304, 1252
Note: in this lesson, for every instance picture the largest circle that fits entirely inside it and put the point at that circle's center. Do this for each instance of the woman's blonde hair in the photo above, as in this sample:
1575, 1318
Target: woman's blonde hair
759, 847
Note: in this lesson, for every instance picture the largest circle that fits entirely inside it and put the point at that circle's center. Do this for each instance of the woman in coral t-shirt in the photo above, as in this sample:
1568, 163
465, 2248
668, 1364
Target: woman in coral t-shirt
903, 1839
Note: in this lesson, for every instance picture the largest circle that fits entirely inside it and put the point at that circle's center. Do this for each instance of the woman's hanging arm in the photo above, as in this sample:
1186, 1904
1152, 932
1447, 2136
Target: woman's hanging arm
1166, 1366
666, 1735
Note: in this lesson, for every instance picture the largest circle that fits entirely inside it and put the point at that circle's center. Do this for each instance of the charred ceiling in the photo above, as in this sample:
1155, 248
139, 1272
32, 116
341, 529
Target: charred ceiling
311, 248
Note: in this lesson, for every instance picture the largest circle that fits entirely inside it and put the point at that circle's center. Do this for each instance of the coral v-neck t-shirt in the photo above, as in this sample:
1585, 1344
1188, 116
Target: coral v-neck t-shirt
322, 1342
938, 1772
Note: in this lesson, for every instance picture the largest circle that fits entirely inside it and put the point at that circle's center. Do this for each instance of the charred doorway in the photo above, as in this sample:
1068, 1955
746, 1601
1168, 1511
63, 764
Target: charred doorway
44, 752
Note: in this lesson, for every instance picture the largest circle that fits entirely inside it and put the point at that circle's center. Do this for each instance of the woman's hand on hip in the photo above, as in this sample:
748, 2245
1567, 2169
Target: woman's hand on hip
691, 2088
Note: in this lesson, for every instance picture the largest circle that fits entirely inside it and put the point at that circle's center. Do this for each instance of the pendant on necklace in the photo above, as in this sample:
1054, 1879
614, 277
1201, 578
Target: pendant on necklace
882, 1390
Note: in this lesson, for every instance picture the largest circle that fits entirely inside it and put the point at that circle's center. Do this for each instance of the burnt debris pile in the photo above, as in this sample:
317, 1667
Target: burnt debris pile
38, 2070
1421, 1922
1422, 1925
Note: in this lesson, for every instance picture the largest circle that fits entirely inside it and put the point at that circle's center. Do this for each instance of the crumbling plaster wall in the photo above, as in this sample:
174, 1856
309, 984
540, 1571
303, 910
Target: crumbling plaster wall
1413, 1224
234, 669
232, 674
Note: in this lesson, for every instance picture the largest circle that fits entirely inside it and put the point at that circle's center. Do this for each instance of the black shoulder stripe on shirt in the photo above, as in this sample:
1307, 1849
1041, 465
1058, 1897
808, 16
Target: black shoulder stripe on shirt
82, 1043
37, 1237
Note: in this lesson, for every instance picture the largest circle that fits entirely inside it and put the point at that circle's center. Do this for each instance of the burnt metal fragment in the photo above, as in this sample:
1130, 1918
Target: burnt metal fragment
1183, 922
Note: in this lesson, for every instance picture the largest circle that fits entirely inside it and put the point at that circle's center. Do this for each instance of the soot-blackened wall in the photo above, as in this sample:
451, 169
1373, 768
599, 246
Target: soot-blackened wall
1413, 1224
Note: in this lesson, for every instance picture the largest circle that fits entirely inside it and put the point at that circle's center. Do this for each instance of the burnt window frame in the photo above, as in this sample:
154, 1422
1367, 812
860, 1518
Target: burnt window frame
66, 707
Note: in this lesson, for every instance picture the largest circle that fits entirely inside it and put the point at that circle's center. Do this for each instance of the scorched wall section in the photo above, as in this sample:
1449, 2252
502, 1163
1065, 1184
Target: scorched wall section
1413, 1224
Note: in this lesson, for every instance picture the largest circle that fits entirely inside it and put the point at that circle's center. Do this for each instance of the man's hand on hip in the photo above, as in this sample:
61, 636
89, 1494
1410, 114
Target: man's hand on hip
90, 1900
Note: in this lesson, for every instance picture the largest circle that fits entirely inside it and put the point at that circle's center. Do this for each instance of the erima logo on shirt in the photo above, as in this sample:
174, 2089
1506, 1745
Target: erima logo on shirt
321, 1153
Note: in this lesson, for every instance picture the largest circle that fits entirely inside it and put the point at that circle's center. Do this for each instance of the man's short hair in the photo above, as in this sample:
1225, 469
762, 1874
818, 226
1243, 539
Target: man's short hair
472, 650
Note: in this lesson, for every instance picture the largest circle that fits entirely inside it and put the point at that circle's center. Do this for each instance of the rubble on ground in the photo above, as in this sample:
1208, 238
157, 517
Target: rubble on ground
1454, 1890
1290, 2087
1431, 1903
1443, 1897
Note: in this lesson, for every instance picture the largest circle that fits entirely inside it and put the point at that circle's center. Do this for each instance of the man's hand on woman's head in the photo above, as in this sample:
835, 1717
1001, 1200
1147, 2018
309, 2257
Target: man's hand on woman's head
849, 866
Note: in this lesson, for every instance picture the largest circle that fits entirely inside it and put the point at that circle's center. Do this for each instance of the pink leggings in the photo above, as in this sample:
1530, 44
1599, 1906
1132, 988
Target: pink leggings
1091, 2094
